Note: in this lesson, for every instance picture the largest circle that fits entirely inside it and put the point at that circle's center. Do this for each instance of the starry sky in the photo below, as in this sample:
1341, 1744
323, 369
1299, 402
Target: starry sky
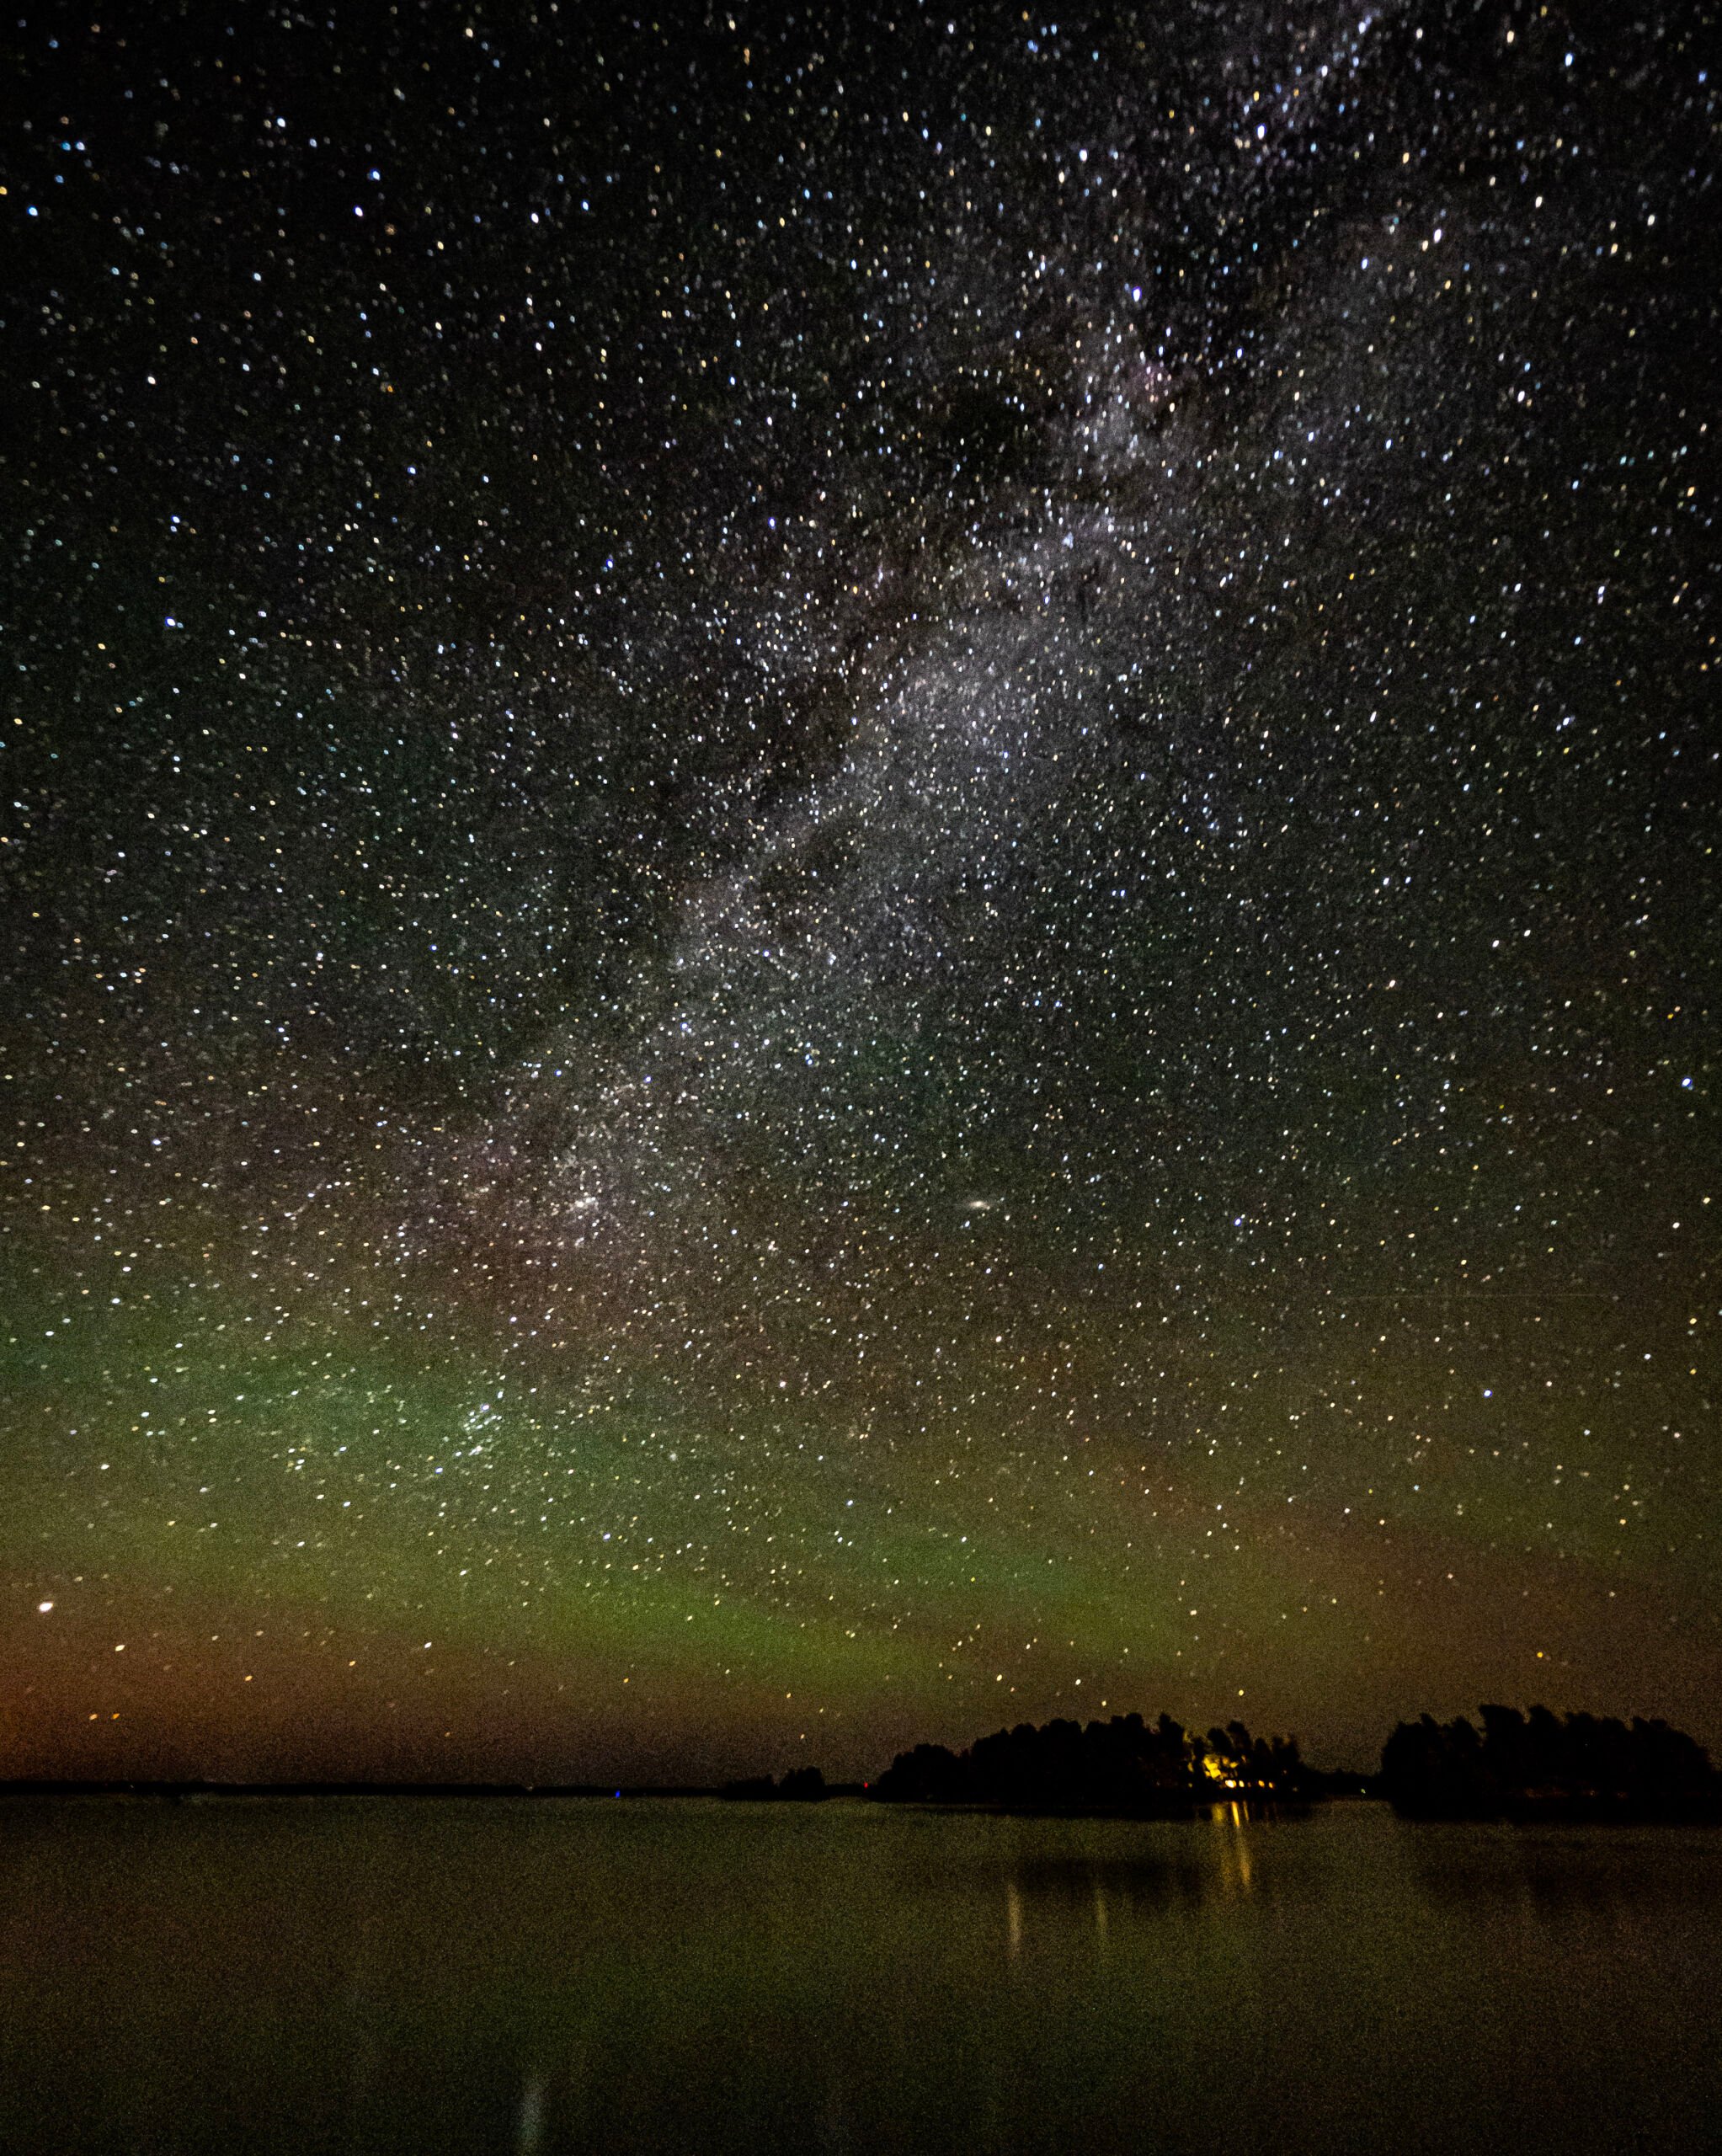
860, 879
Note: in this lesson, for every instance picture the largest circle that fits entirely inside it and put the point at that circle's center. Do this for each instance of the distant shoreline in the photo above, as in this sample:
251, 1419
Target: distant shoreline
176, 1792
180, 1791
1534, 1813
1174, 1808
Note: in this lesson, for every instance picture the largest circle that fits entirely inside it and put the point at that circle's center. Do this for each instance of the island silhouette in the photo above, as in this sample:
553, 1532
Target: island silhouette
800, 1785
1126, 1767
1542, 1765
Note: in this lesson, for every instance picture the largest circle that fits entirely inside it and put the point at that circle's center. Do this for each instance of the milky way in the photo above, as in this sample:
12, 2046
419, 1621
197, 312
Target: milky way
860, 878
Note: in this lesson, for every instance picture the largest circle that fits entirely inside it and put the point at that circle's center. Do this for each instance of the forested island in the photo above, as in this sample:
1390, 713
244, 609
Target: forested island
1126, 1768
800, 1785
1547, 1766
1537, 1765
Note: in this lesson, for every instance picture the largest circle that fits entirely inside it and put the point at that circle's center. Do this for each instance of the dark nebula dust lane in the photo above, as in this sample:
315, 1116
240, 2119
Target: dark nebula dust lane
860, 876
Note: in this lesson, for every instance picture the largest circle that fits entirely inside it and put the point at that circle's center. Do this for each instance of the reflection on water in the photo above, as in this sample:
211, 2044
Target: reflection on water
1536, 1869
397, 1976
1195, 1863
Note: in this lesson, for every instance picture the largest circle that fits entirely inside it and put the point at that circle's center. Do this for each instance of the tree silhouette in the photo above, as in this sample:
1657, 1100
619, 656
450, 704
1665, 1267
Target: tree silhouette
1122, 1766
1541, 1763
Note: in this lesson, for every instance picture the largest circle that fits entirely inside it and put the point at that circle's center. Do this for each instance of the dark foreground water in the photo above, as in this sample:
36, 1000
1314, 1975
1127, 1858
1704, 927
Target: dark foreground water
430, 1975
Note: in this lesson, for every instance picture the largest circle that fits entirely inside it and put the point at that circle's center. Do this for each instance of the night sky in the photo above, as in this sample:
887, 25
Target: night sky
860, 879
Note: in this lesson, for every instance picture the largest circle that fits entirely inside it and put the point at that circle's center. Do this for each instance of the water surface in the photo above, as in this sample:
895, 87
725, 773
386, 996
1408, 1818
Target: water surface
521, 1976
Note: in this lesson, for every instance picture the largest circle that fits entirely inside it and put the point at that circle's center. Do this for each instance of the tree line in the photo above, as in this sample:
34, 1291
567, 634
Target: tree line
1124, 1765
1516, 1765
1524, 1765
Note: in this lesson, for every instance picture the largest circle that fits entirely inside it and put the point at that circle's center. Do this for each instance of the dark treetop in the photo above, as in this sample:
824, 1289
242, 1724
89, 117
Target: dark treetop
1542, 1763
1124, 1765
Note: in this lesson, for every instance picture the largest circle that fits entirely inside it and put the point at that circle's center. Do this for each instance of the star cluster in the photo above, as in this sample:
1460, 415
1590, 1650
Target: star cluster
862, 878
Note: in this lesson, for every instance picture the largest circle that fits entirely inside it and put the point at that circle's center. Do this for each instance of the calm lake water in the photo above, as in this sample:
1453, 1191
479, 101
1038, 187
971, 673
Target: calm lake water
420, 1976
